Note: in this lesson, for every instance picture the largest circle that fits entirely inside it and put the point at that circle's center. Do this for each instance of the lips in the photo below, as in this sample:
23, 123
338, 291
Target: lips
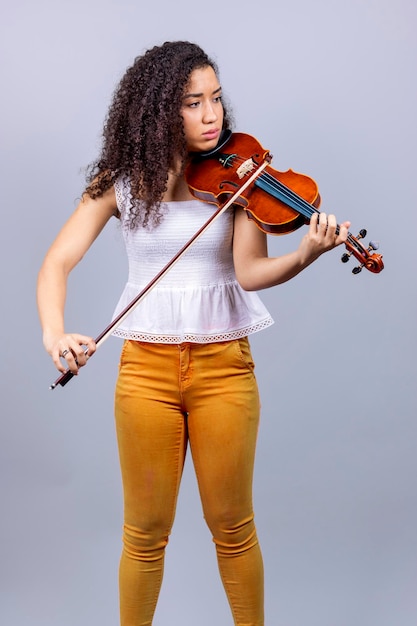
211, 134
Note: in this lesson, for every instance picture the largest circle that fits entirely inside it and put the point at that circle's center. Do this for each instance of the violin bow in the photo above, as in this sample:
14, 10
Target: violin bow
105, 334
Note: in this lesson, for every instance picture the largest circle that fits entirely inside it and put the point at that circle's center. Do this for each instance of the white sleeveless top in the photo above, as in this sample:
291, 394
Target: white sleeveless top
199, 299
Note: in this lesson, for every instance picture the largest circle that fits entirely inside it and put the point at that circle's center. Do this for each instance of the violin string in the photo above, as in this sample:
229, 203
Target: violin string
295, 201
302, 205
290, 198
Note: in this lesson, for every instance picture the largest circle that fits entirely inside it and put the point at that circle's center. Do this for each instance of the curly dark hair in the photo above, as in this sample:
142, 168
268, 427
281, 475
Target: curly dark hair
143, 132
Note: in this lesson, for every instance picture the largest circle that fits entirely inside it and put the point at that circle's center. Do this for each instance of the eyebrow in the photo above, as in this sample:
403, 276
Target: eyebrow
199, 95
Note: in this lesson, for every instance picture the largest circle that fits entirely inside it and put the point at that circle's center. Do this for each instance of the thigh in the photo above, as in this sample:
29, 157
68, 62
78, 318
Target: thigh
151, 433
223, 425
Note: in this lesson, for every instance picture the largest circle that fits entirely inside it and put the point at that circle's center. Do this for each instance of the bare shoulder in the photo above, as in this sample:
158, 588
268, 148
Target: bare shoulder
104, 206
83, 227
93, 213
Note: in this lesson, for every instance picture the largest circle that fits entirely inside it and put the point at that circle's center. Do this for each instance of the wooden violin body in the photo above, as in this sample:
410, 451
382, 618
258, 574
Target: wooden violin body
278, 202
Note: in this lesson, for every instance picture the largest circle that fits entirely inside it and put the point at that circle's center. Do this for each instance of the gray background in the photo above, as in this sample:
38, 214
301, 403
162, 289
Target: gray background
330, 88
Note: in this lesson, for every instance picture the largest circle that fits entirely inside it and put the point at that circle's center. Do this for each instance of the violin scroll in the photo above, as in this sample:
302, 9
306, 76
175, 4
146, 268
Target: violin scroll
366, 256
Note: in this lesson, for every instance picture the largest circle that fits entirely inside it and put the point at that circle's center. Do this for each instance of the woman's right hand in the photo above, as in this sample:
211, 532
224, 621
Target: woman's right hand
70, 350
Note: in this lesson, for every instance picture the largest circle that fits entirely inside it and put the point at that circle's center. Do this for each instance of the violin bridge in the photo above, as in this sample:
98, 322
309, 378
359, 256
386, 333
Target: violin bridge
246, 167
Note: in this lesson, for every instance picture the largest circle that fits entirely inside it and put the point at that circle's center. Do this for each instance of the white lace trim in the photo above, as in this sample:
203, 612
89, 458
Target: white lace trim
193, 338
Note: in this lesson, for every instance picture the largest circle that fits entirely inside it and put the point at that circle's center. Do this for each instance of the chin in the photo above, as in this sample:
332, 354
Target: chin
203, 146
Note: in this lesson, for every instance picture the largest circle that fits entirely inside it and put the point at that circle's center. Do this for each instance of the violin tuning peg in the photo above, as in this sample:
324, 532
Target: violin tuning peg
357, 270
345, 257
373, 245
362, 233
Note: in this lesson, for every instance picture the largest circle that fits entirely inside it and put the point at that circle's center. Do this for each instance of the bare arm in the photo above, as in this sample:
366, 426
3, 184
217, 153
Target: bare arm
69, 247
255, 270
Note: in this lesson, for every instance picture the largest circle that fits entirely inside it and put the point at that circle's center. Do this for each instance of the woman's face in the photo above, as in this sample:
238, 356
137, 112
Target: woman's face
202, 110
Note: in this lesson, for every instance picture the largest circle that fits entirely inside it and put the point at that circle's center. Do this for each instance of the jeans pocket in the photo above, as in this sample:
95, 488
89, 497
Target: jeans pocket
245, 354
123, 353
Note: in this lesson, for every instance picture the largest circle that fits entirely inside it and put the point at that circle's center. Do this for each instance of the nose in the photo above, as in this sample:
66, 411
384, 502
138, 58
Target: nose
209, 113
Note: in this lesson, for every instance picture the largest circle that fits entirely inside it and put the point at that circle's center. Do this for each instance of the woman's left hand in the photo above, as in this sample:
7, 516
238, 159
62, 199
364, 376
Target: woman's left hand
322, 236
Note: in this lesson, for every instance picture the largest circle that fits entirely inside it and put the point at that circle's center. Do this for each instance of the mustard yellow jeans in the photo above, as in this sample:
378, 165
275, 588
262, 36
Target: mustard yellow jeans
169, 397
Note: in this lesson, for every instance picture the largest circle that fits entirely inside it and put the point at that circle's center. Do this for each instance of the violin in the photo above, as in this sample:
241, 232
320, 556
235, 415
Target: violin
278, 202
238, 173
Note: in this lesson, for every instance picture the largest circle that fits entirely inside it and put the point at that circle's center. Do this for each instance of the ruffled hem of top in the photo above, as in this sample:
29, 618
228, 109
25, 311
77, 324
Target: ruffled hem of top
190, 338
199, 314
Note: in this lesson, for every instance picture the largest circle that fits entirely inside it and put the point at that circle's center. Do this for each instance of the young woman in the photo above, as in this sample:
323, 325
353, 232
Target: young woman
186, 375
